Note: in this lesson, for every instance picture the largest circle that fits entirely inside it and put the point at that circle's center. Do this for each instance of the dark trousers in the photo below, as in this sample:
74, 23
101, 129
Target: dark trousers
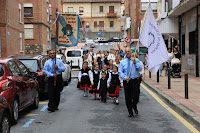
131, 90
103, 96
54, 91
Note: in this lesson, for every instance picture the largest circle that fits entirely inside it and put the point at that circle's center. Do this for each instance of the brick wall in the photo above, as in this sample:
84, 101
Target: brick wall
36, 45
11, 29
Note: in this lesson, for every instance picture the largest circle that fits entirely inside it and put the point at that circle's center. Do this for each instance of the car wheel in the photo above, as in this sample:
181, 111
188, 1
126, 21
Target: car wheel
70, 78
36, 100
5, 123
15, 111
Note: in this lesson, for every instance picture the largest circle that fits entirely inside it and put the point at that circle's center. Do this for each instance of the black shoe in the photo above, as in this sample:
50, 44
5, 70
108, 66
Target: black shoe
57, 109
130, 115
51, 110
136, 111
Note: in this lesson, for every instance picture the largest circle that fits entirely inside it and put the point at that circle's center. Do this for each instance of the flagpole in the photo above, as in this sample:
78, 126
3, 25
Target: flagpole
55, 52
139, 37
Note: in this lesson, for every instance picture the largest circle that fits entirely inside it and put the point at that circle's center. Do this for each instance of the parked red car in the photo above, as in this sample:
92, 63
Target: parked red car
18, 86
5, 115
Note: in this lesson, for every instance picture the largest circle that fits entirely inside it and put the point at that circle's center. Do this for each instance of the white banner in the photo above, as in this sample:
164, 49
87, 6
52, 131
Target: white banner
152, 39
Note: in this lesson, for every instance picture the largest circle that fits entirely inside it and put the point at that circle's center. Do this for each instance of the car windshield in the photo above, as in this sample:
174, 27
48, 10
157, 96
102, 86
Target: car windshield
74, 53
32, 65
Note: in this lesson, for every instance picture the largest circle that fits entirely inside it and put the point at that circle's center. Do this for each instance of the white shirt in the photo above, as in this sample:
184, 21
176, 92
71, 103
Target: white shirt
116, 64
142, 71
111, 56
171, 55
90, 76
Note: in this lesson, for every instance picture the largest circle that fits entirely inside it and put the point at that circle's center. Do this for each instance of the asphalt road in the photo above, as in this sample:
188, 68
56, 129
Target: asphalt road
80, 114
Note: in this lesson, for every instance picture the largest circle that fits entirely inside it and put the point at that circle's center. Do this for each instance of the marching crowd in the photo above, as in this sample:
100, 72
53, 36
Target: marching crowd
103, 73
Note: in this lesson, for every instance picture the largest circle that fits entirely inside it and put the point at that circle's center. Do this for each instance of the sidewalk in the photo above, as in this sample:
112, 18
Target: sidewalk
176, 95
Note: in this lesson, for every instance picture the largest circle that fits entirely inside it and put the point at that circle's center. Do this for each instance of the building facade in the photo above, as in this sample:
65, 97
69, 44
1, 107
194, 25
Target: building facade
96, 15
179, 24
36, 26
135, 9
11, 27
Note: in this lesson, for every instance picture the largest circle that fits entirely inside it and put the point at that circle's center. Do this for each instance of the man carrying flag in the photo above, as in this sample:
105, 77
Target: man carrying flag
151, 38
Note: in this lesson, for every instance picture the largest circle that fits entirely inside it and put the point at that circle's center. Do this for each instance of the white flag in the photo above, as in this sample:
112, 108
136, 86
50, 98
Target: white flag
152, 39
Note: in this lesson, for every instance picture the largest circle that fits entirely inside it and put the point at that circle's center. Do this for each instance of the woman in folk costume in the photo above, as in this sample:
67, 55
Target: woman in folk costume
93, 89
114, 83
85, 78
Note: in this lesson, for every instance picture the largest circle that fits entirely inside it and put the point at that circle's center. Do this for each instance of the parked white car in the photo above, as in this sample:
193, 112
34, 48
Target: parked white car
66, 75
74, 55
100, 40
90, 43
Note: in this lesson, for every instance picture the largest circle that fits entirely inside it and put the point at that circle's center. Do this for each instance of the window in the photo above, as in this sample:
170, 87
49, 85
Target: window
13, 68
81, 9
28, 10
95, 24
144, 6
74, 53
21, 43
111, 9
47, 15
23, 69
111, 23
70, 9
20, 13
1, 70
101, 23
100, 8
31, 64
48, 34
183, 44
87, 24
192, 42
28, 31
50, 10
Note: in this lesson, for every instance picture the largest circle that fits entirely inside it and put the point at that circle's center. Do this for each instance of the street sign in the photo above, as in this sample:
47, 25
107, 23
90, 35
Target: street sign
127, 40
99, 33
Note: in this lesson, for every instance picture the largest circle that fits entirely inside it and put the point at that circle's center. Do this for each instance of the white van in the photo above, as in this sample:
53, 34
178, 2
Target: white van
74, 55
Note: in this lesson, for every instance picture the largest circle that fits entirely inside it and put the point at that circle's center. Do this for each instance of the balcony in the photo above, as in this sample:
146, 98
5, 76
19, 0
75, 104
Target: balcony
111, 15
184, 6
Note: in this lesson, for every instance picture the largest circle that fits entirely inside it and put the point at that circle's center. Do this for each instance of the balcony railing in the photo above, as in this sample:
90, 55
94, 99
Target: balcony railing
107, 14
102, 29
111, 15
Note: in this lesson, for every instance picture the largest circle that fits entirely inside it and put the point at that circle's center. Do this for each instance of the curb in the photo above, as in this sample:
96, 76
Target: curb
175, 104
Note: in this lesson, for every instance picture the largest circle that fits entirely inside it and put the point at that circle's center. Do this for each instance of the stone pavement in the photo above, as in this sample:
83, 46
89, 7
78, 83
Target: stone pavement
191, 106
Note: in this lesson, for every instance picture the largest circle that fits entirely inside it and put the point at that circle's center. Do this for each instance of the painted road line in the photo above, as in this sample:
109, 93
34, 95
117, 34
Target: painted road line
101, 43
44, 108
96, 44
106, 43
180, 118
43, 102
28, 123
30, 115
